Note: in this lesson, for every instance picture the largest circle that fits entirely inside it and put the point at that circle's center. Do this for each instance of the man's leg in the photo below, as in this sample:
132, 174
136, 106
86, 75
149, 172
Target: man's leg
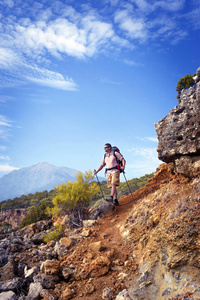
112, 182
114, 191
109, 185
115, 183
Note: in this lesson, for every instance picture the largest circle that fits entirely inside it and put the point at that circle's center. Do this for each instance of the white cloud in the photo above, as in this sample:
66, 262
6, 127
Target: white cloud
171, 5
152, 139
143, 161
7, 168
5, 124
32, 35
148, 138
108, 81
143, 21
51, 79
26, 42
193, 17
22, 71
132, 63
4, 157
135, 28
8, 59
144, 152
8, 3
4, 121
5, 98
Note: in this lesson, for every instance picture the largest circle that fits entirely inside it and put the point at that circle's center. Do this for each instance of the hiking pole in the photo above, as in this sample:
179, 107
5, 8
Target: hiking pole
128, 185
99, 185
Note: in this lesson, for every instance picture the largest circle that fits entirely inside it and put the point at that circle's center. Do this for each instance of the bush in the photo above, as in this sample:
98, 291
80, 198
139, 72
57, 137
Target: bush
36, 214
73, 197
54, 235
185, 82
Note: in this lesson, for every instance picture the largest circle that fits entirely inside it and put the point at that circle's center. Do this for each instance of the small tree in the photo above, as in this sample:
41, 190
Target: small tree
183, 83
36, 214
73, 197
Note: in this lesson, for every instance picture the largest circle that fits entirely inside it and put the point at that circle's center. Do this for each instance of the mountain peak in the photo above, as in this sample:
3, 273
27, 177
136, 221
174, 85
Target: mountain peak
36, 178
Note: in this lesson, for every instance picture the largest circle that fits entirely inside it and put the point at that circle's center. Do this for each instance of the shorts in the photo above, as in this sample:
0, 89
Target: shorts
113, 178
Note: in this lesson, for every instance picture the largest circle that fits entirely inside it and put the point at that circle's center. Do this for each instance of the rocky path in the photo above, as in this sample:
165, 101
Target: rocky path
149, 246
105, 241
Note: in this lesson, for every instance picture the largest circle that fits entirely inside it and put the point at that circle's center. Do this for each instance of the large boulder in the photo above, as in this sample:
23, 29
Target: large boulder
179, 131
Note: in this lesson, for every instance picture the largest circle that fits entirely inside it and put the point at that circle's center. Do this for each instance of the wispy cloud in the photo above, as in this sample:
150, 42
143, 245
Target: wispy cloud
145, 152
52, 79
7, 168
135, 28
145, 160
33, 34
5, 125
5, 122
148, 138
25, 42
132, 63
193, 17
21, 71
4, 157
109, 81
143, 21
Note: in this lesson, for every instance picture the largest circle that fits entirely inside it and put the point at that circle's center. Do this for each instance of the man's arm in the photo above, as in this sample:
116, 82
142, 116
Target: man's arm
100, 167
120, 157
123, 164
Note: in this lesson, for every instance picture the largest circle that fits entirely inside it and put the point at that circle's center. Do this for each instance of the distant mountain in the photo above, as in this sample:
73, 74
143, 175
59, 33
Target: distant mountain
36, 178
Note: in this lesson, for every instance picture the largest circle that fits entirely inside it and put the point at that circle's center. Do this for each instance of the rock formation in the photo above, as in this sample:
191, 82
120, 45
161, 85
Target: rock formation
13, 217
179, 132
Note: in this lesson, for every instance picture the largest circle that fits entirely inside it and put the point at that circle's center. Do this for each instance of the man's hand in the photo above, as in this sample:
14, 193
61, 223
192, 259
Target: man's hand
95, 172
122, 168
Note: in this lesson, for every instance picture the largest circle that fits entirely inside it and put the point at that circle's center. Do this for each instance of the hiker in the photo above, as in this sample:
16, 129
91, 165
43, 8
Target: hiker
112, 170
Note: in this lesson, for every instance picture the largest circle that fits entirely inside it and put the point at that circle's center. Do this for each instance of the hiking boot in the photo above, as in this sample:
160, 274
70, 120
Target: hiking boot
115, 202
110, 199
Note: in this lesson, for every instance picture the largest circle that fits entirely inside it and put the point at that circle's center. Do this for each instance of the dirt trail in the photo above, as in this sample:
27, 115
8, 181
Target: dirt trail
123, 267
106, 230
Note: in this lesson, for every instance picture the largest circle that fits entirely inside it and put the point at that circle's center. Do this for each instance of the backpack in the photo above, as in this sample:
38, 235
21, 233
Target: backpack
119, 162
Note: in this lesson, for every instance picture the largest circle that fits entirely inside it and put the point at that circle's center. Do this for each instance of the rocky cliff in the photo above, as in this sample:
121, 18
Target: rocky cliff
179, 132
144, 249
13, 217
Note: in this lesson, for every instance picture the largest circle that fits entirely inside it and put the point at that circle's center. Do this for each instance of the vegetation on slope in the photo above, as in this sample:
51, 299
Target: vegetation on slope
71, 197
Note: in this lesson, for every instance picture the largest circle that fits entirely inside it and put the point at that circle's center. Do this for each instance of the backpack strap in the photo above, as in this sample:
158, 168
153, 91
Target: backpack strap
113, 168
115, 156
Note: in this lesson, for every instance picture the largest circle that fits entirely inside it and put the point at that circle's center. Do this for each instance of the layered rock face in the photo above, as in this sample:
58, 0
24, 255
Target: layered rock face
13, 217
179, 132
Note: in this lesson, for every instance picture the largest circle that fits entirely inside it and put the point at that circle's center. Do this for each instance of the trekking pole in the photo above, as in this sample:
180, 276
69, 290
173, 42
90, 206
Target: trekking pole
128, 185
99, 185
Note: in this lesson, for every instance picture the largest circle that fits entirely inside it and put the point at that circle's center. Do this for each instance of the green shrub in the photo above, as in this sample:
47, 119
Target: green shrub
71, 194
73, 197
36, 214
54, 235
185, 82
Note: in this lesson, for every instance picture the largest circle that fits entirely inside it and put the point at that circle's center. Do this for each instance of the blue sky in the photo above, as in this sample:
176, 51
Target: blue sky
75, 75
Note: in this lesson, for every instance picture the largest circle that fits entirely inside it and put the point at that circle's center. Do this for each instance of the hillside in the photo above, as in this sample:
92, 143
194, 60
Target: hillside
139, 249
36, 178
13, 211
147, 248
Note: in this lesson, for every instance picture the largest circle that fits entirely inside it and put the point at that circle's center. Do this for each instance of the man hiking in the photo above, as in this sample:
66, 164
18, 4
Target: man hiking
110, 159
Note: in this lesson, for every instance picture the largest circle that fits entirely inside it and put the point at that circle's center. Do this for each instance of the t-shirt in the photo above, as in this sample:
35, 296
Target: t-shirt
110, 160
